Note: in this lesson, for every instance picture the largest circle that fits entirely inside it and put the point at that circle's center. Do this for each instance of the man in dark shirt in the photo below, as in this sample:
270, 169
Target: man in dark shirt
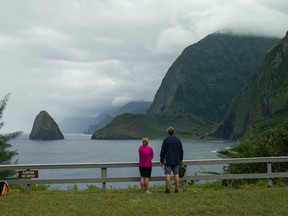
171, 156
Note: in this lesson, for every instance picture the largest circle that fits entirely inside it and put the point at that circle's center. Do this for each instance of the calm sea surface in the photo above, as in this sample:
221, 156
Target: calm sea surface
81, 149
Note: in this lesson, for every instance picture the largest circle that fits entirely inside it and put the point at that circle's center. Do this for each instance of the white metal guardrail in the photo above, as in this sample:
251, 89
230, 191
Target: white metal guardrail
269, 175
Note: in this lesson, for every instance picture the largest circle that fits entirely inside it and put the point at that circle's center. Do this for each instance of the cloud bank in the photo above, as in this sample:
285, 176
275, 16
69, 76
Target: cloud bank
77, 58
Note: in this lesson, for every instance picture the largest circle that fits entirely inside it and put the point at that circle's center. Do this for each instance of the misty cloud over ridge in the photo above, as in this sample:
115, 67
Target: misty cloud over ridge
76, 58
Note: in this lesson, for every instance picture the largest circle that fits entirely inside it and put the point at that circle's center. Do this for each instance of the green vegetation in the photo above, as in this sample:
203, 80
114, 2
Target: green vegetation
136, 126
263, 103
272, 143
198, 200
5, 154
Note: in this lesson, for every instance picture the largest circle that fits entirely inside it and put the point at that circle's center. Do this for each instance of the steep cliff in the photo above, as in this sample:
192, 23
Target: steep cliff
207, 75
263, 103
45, 128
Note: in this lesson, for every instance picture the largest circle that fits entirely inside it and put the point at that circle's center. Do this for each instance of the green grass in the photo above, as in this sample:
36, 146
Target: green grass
197, 200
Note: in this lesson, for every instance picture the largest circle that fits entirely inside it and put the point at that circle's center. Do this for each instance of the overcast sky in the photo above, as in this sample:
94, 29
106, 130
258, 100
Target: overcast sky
77, 57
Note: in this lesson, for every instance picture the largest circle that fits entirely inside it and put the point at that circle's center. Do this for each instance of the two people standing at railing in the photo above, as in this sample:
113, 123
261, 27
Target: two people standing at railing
171, 156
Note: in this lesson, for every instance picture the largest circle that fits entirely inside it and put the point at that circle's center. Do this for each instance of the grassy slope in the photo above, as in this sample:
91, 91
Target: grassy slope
194, 201
129, 126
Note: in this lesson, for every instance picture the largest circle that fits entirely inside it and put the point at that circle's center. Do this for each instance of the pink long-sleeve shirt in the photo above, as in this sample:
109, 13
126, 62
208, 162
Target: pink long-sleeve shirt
145, 156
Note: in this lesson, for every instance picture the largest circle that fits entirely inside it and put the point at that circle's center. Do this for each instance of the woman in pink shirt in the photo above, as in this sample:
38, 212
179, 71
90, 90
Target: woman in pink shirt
145, 164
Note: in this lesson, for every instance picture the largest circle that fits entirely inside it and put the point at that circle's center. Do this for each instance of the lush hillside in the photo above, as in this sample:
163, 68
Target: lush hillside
135, 107
263, 103
199, 86
135, 126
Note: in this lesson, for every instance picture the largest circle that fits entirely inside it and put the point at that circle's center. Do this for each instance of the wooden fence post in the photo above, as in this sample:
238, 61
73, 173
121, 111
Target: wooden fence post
28, 186
269, 171
185, 181
103, 175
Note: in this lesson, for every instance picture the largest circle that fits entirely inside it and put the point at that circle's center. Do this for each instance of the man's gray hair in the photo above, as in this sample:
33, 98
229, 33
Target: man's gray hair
170, 131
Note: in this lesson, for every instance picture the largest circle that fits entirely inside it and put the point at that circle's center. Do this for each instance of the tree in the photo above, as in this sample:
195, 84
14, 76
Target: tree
6, 155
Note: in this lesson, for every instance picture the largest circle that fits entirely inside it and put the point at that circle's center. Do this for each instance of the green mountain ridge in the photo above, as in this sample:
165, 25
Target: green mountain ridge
135, 107
197, 89
263, 103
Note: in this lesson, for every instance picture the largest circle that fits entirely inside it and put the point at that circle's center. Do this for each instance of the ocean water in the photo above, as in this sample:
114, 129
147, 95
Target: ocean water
78, 148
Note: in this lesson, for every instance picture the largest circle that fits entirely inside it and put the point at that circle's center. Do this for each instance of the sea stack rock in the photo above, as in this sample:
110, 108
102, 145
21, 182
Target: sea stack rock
45, 128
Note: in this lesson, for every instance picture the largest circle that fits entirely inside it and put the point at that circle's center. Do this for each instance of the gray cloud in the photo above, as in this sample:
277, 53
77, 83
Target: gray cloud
75, 58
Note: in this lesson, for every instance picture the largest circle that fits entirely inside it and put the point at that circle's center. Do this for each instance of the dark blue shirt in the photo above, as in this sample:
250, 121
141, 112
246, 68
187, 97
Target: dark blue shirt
171, 151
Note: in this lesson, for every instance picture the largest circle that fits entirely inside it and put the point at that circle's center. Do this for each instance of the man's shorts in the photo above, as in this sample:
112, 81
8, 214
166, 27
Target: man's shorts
174, 168
145, 171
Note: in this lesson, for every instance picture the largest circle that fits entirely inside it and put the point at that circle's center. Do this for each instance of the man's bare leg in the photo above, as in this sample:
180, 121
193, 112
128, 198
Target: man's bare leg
167, 181
176, 177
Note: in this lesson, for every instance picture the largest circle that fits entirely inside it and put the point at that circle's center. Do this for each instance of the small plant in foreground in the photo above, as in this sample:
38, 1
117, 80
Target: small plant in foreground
74, 187
34, 187
92, 188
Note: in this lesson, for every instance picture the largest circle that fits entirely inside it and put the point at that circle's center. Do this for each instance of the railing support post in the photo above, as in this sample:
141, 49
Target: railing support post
28, 186
185, 181
103, 175
269, 171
